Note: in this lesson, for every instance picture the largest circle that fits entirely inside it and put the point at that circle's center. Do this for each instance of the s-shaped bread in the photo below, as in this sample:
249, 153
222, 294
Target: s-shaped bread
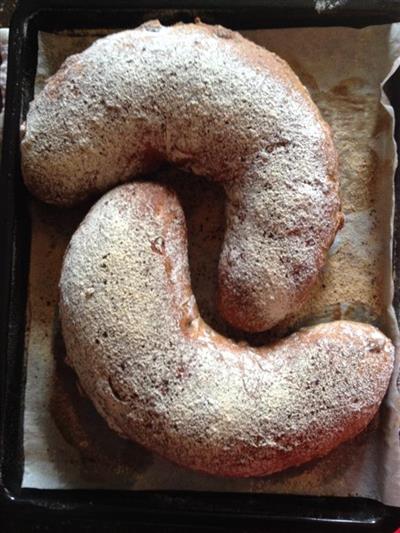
206, 99
160, 376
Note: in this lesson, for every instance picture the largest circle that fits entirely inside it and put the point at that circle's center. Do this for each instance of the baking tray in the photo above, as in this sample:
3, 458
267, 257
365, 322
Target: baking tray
100, 510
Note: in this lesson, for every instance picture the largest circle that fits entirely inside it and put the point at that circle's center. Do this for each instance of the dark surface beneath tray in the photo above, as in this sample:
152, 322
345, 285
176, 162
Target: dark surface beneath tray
65, 511
6, 9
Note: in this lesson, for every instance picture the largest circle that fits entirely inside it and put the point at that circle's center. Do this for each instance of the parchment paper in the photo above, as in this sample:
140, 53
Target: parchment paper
67, 445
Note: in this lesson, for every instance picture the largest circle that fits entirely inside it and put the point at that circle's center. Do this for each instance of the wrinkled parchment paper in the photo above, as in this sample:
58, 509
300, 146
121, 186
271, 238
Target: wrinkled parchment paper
67, 445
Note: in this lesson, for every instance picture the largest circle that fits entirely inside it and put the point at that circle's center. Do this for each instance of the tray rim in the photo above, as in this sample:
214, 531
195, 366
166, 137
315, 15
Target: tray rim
150, 506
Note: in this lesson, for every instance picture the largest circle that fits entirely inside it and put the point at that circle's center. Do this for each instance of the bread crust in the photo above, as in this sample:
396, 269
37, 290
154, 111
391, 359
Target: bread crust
206, 99
161, 377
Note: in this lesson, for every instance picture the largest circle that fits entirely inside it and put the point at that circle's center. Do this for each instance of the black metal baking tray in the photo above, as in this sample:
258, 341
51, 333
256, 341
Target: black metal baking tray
89, 510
